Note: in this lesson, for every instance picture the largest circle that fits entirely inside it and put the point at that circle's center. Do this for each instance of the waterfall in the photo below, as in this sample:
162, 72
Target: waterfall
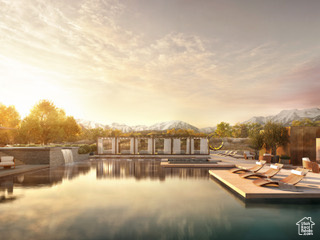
67, 155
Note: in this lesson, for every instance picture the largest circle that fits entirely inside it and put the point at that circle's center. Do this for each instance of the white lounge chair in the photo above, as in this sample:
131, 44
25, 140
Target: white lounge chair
7, 162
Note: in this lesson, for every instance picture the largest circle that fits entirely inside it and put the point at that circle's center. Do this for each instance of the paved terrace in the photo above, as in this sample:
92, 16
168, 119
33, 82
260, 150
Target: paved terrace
309, 187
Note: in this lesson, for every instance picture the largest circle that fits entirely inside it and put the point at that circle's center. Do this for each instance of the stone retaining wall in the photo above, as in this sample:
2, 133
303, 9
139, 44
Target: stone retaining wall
42, 155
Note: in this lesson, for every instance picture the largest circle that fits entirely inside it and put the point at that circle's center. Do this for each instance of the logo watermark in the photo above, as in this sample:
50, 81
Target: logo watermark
305, 226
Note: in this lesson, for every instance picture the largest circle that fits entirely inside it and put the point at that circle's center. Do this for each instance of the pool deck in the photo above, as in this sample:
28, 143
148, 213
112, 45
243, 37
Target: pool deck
20, 169
195, 165
148, 156
308, 188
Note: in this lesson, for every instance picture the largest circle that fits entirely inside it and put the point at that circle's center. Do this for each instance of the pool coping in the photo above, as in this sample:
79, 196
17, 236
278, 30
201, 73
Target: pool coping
247, 190
195, 165
21, 169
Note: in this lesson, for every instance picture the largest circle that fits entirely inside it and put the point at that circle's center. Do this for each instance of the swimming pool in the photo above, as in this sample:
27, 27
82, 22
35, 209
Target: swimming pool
137, 199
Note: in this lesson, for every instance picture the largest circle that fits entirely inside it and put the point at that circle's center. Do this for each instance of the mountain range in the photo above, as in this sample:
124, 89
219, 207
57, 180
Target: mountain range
286, 117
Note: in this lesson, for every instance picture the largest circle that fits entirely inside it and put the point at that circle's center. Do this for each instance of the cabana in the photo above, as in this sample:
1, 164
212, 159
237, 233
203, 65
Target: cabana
153, 145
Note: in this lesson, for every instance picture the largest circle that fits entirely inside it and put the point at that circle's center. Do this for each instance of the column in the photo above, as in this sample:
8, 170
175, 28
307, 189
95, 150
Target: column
131, 145
113, 145
150, 145
188, 146
100, 146
136, 146
203, 146
176, 146
192, 146
167, 146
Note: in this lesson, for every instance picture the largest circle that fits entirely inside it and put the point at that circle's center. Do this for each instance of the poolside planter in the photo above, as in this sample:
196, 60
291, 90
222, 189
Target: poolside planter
285, 160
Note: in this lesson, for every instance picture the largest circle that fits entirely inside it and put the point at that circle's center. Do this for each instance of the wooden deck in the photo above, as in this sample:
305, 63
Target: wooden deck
309, 187
212, 165
149, 156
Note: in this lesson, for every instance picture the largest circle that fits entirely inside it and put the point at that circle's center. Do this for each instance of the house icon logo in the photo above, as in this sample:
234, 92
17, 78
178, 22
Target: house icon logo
305, 226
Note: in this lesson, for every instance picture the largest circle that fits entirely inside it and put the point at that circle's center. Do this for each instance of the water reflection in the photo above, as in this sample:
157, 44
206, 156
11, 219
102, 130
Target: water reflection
108, 168
144, 169
41, 178
128, 199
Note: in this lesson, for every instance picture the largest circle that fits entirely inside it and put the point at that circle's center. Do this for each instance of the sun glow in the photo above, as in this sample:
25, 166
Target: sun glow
26, 85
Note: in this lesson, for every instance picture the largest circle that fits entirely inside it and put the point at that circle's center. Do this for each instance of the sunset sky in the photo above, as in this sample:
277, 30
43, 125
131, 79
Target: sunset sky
146, 61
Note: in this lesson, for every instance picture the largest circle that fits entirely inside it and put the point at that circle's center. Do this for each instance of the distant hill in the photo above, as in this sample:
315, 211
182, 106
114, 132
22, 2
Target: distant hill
125, 128
287, 116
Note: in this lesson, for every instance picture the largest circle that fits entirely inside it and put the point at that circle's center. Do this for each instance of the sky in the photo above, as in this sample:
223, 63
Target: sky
148, 61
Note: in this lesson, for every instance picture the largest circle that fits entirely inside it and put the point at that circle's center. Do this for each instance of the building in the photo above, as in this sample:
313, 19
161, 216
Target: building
304, 142
153, 145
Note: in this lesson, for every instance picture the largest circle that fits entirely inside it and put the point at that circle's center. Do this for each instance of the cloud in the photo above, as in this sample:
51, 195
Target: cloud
87, 47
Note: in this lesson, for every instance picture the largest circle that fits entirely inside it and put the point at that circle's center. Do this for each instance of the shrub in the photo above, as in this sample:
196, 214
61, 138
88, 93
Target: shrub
84, 149
93, 147
285, 157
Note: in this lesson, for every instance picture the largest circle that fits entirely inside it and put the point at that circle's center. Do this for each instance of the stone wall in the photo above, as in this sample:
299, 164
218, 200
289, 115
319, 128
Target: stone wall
42, 155
31, 155
56, 157
76, 156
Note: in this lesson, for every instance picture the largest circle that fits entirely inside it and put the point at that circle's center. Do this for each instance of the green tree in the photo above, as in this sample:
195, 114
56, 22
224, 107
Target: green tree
223, 130
254, 128
306, 122
240, 130
257, 141
29, 131
47, 124
275, 135
9, 118
71, 129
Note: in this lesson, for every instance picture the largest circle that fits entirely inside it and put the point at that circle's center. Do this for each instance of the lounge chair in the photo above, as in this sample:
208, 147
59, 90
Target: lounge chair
247, 155
225, 153
306, 163
287, 182
7, 162
267, 157
236, 155
315, 167
255, 168
273, 170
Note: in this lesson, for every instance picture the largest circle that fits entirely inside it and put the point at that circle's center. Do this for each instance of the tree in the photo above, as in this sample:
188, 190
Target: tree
46, 124
10, 118
306, 122
240, 130
254, 128
275, 135
223, 130
71, 129
29, 131
257, 141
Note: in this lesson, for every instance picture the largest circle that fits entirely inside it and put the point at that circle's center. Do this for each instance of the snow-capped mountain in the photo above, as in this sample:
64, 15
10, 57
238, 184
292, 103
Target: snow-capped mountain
89, 124
172, 124
125, 128
287, 116
208, 129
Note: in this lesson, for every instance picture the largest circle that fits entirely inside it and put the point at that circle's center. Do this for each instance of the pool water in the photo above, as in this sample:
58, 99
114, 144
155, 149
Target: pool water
138, 199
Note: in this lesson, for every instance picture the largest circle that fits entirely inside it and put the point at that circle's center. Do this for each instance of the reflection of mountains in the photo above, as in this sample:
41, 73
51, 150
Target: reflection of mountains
142, 169
47, 177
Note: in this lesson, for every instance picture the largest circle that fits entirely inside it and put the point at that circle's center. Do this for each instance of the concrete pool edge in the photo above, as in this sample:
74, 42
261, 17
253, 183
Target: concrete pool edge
255, 192
21, 169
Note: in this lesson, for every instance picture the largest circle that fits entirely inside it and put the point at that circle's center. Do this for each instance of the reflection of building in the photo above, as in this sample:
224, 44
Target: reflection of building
142, 169
153, 145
